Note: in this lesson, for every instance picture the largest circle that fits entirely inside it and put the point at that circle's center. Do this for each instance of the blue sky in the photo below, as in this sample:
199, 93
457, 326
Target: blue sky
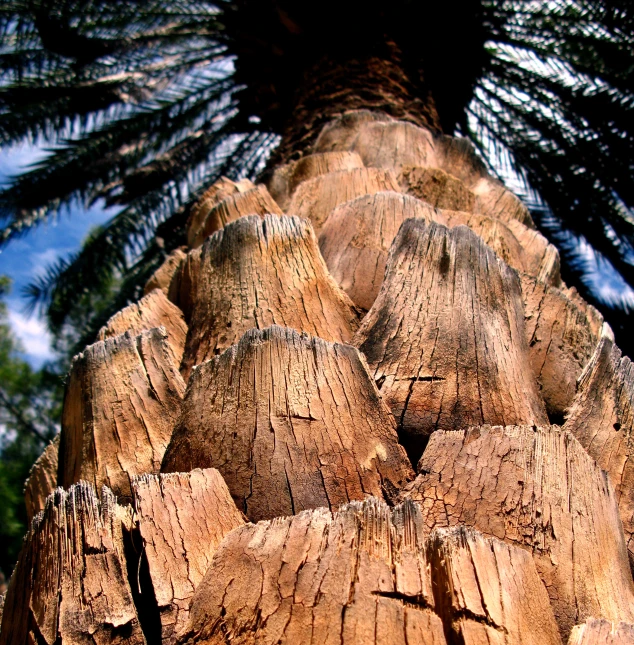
25, 258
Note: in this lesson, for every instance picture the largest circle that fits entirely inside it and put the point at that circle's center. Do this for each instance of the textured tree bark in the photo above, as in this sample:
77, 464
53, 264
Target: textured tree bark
520, 247
368, 574
182, 519
216, 193
598, 631
445, 337
562, 333
454, 337
255, 273
70, 585
122, 401
287, 178
314, 199
153, 310
357, 236
255, 201
601, 417
538, 489
291, 422
162, 277
42, 479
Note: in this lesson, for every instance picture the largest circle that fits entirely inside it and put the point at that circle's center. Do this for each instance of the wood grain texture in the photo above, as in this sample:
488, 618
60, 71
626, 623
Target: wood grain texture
522, 248
182, 518
457, 156
340, 133
122, 401
162, 277
357, 235
291, 422
218, 191
316, 198
562, 333
368, 574
538, 489
70, 585
42, 479
598, 631
153, 310
601, 417
394, 144
286, 178
256, 273
436, 187
255, 201
445, 338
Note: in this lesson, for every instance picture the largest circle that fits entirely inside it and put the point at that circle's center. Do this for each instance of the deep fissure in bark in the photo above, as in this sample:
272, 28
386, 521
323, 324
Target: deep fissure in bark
377, 81
141, 586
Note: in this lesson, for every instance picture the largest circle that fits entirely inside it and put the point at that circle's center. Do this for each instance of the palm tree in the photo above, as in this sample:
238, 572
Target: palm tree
358, 403
143, 106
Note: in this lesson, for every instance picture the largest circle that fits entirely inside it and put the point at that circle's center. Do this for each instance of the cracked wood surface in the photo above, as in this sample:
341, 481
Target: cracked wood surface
520, 247
445, 337
291, 422
216, 193
562, 333
153, 310
182, 518
436, 187
162, 277
601, 417
368, 574
286, 178
70, 585
256, 273
256, 201
538, 489
393, 145
357, 235
316, 198
42, 479
122, 401
598, 631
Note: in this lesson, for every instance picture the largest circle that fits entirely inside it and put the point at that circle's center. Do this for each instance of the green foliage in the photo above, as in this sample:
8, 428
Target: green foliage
30, 410
144, 103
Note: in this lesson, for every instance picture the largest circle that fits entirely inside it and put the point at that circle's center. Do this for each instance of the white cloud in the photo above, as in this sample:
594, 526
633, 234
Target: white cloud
35, 338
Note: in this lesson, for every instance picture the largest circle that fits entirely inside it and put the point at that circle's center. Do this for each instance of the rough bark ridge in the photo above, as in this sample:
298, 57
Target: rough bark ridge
255, 201
314, 199
153, 310
562, 333
598, 631
602, 418
255, 273
216, 193
182, 518
445, 337
286, 178
122, 400
42, 479
368, 574
71, 582
535, 488
291, 422
162, 277
357, 236
520, 247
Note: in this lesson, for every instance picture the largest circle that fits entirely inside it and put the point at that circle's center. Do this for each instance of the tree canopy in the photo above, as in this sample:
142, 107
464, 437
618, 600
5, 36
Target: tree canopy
142, 104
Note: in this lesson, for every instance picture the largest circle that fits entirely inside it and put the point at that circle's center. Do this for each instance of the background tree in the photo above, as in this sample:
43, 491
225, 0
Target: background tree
30, 410
144, 103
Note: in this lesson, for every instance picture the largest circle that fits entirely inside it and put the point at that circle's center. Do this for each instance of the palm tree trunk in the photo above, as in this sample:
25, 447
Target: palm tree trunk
372, 378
